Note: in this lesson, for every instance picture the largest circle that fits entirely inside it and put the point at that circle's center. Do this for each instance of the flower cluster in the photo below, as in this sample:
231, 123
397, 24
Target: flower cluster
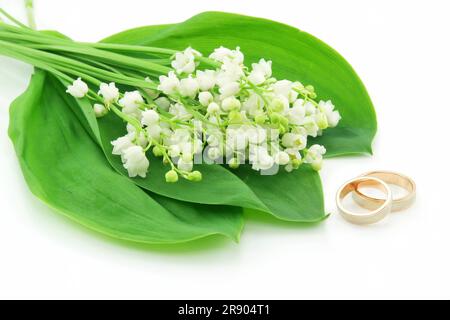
230, 114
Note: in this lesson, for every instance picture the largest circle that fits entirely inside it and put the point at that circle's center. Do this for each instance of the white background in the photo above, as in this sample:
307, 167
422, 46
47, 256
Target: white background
401, 51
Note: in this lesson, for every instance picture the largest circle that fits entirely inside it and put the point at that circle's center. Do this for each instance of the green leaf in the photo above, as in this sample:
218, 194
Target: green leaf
296, 55
66, 169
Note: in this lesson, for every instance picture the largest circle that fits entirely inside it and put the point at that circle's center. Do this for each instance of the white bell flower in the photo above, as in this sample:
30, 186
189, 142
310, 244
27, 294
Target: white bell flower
163, 103
310, 109
299, 103
296, 114
293, 95
78, 88
206, 79
260, 158
260, 72
174, 151
293, 153
205, 98
130, 102
282, 87
187, 150
229, 89
181, 135
154, 131
189, 51
332, 115
281, 158
321, 120
263, 66
169, 84
135, 161
180, 112
100, 110
253, 105
188, 87
231, 103
214, 139
184, 165
183, 63
149, 117
121, 144
109, 92
221, 54
152, 93
214, 153
213, 108
256, 135
230, 69
310, 125
138, 140
256, 77
280, 104
236, 139
314, 156
292, 140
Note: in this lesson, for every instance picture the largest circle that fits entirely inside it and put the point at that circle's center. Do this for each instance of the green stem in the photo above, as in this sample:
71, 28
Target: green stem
62, 61
12, 19
30, 13
34, 62
129, 48
58, 44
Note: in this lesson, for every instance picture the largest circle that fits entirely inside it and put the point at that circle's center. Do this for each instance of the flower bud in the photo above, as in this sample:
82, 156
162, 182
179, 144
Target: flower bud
231, 103
213, 108
157, 152
205, 98
275, 118
317, 164
100, 110
171, 176
310, 88
234, 117
233, 163
260, 119
163, 103
296, 163
194, 176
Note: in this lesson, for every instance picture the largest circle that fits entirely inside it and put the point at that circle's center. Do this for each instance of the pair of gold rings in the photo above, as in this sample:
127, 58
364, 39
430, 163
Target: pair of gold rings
379, 207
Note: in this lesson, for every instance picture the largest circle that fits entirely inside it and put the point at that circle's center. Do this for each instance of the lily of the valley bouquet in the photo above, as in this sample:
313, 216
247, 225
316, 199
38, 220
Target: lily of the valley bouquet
168, 134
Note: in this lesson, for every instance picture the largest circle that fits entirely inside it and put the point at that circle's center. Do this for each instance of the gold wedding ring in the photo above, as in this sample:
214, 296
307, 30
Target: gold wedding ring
377, 213
394, 178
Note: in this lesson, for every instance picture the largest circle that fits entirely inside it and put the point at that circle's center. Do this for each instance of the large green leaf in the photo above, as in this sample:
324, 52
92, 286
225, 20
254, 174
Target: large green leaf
66, 169
296, 55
